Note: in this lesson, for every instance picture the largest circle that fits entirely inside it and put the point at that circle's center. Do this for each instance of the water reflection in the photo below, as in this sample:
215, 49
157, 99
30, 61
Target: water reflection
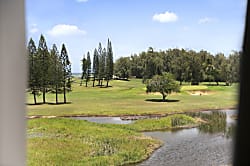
209, 144
109, 120
217, 122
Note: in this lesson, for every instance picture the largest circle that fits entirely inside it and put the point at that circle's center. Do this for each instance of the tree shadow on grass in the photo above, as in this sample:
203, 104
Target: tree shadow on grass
214, 84
34, 103
160, 100
59, 103
110, 86
49, 103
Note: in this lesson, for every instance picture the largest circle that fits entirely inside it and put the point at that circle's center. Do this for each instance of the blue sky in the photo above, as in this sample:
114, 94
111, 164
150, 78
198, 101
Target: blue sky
135, 25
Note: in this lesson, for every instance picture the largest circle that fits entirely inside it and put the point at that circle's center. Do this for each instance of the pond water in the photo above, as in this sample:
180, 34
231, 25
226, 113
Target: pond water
110, 120
207, 145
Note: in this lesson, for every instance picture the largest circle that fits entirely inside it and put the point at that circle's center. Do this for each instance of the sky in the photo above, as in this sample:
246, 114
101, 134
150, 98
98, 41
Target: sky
134, 25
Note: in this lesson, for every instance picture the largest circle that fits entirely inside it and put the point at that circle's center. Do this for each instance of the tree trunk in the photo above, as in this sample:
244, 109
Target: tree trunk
93, 82
107, 83
163, 97
86, 83
64, 94
99, 82
81, 83
56, 95
34, 94
44, 91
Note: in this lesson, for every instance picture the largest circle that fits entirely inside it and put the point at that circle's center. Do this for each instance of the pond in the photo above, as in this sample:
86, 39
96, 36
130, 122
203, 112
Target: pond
209, 144
110, 120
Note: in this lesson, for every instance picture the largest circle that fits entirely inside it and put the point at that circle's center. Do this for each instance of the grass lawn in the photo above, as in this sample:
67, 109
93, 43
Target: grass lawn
130, 98
62, 141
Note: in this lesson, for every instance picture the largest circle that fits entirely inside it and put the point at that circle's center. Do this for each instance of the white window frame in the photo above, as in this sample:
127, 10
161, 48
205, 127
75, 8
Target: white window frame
12, 83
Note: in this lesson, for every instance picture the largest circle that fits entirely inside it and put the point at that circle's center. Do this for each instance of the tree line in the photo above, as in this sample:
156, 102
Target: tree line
186, 66
49, 70
102, 68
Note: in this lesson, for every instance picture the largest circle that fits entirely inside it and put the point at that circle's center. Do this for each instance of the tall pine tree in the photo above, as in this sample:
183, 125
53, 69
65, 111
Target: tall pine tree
88, 71
43, 61
56, 71
33, 78
95, 66
66, 71
84, 68
102, 65
109, 63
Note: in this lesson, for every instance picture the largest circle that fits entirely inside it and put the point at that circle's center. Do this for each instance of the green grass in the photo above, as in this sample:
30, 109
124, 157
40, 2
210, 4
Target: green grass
169, 122
75, 142
63, 141
130, 98
193, 87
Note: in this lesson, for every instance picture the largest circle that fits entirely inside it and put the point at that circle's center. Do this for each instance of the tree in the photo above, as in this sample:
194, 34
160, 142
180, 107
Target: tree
84, 68
95, 66
43, 63
88, 69
165, 84
153, 64
122, 66
33, 75
102, 65
56, 71
109, 63
180, 66
219, 61
195, 65
66, 71
234, 61
136, 66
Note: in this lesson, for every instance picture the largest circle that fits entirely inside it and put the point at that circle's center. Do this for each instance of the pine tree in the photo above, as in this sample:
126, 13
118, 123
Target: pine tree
66, 71
109, 63
84, 68
95, 66
43, 61
102, 65
56, 71
88, 71
33, 79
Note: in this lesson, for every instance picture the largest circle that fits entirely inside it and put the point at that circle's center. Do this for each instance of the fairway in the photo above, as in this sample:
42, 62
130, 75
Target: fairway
130, 98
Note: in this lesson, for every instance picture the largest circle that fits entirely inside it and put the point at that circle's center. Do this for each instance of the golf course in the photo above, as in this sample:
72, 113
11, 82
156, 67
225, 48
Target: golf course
55, 138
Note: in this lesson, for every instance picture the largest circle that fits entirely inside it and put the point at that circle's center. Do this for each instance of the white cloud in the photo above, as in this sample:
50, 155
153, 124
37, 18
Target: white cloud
34, 28
165, 17
66, 30
81, 0
206, 20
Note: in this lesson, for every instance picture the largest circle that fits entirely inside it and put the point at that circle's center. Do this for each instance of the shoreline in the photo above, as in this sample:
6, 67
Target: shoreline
129, 117
153, 147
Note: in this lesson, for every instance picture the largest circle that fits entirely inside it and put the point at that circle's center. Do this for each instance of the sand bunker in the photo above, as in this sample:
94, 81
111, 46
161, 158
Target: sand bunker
199, 92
